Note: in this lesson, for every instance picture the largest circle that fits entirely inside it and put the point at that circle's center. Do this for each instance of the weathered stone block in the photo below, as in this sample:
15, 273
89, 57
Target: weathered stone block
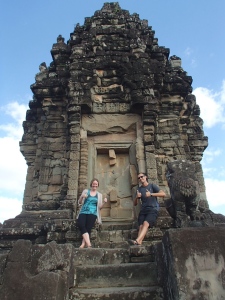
46, 215
195, 267
113, 195
39, 272
152, 174
58, 237
3, 261
169, 144
41, 205
75, 147
121, 213
94, 276
149, 138
72, 192
150, 160
75, 138
149, 148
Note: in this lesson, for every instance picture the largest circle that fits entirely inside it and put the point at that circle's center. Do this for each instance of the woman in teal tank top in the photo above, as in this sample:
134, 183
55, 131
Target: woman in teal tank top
90, 211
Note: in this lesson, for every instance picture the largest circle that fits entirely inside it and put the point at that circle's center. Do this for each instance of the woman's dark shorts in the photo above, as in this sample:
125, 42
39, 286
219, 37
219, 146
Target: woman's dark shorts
150, 217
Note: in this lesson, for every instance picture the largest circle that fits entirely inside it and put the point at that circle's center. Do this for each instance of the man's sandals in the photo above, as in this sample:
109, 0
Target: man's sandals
134, 243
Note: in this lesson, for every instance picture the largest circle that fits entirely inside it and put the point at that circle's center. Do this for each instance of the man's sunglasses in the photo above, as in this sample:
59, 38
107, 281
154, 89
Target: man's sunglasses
140, 176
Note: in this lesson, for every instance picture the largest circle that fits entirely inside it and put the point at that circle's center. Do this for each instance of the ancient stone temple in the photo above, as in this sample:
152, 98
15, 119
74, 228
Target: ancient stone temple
112, 103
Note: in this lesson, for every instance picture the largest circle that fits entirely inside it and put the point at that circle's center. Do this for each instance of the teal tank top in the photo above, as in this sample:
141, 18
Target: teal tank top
90, 204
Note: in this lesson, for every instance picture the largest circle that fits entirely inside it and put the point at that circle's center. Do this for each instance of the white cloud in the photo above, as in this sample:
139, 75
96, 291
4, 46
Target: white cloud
223, 92
194, 63
16, 111
211, 105
212, 112
214, 196
12, 164
188, 51
10, 208
210, 155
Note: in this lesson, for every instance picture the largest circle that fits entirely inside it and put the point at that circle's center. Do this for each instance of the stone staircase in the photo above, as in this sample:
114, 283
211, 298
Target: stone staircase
113, 269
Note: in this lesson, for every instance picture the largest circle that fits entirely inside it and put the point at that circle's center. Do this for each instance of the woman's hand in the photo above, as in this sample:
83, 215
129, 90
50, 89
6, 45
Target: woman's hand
84, 195
105, 200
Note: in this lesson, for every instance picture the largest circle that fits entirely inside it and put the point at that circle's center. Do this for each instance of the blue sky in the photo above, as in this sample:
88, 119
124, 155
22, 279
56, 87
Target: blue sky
193, 30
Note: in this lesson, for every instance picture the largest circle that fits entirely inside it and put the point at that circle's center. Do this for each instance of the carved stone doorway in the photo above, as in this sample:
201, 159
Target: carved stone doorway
113, 145
113, 172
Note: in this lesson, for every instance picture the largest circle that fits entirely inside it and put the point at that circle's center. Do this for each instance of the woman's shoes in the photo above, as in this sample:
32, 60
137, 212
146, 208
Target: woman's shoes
134, 243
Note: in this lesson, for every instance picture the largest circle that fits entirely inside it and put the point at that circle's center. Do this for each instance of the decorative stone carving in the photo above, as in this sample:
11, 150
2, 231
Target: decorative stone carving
112, 157
186, 206
184, 190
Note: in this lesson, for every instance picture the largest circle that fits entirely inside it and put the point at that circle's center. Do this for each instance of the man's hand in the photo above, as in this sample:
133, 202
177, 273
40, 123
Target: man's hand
138, 194
148, 194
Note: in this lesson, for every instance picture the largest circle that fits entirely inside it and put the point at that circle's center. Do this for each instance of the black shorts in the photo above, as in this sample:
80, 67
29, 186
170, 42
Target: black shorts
150, 217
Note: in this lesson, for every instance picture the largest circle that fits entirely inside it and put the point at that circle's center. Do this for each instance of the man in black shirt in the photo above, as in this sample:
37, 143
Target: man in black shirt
147, 193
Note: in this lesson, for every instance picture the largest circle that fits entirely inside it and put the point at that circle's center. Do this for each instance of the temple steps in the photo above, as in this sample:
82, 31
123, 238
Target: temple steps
115, 270
116, 293
113, 274
101, 256
112, 269
106, 256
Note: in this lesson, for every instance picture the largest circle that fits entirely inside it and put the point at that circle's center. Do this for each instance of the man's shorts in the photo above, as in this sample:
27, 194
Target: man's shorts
151, 218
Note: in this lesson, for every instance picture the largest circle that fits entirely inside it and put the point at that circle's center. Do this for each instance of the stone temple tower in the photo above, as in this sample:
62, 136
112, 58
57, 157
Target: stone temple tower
111, 103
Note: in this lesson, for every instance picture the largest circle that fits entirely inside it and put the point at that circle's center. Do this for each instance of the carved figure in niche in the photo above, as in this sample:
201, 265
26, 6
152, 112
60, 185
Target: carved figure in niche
65, 179
42, 67
92, 203
147, 194
184, 190
111, 188
46, 110
36, 175
43, 74
57, 171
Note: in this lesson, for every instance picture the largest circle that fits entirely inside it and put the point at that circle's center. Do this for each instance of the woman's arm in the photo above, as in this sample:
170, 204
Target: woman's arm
104, 201
83, 196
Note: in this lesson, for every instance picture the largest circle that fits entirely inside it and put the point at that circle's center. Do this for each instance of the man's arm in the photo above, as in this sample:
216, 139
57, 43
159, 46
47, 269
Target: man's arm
160, 193
138, 196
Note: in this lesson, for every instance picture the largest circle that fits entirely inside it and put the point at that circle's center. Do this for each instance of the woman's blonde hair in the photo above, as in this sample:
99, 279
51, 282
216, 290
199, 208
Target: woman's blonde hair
94, 179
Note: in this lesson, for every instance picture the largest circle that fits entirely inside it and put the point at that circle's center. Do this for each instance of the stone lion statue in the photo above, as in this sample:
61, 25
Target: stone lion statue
185, 205
184, 190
